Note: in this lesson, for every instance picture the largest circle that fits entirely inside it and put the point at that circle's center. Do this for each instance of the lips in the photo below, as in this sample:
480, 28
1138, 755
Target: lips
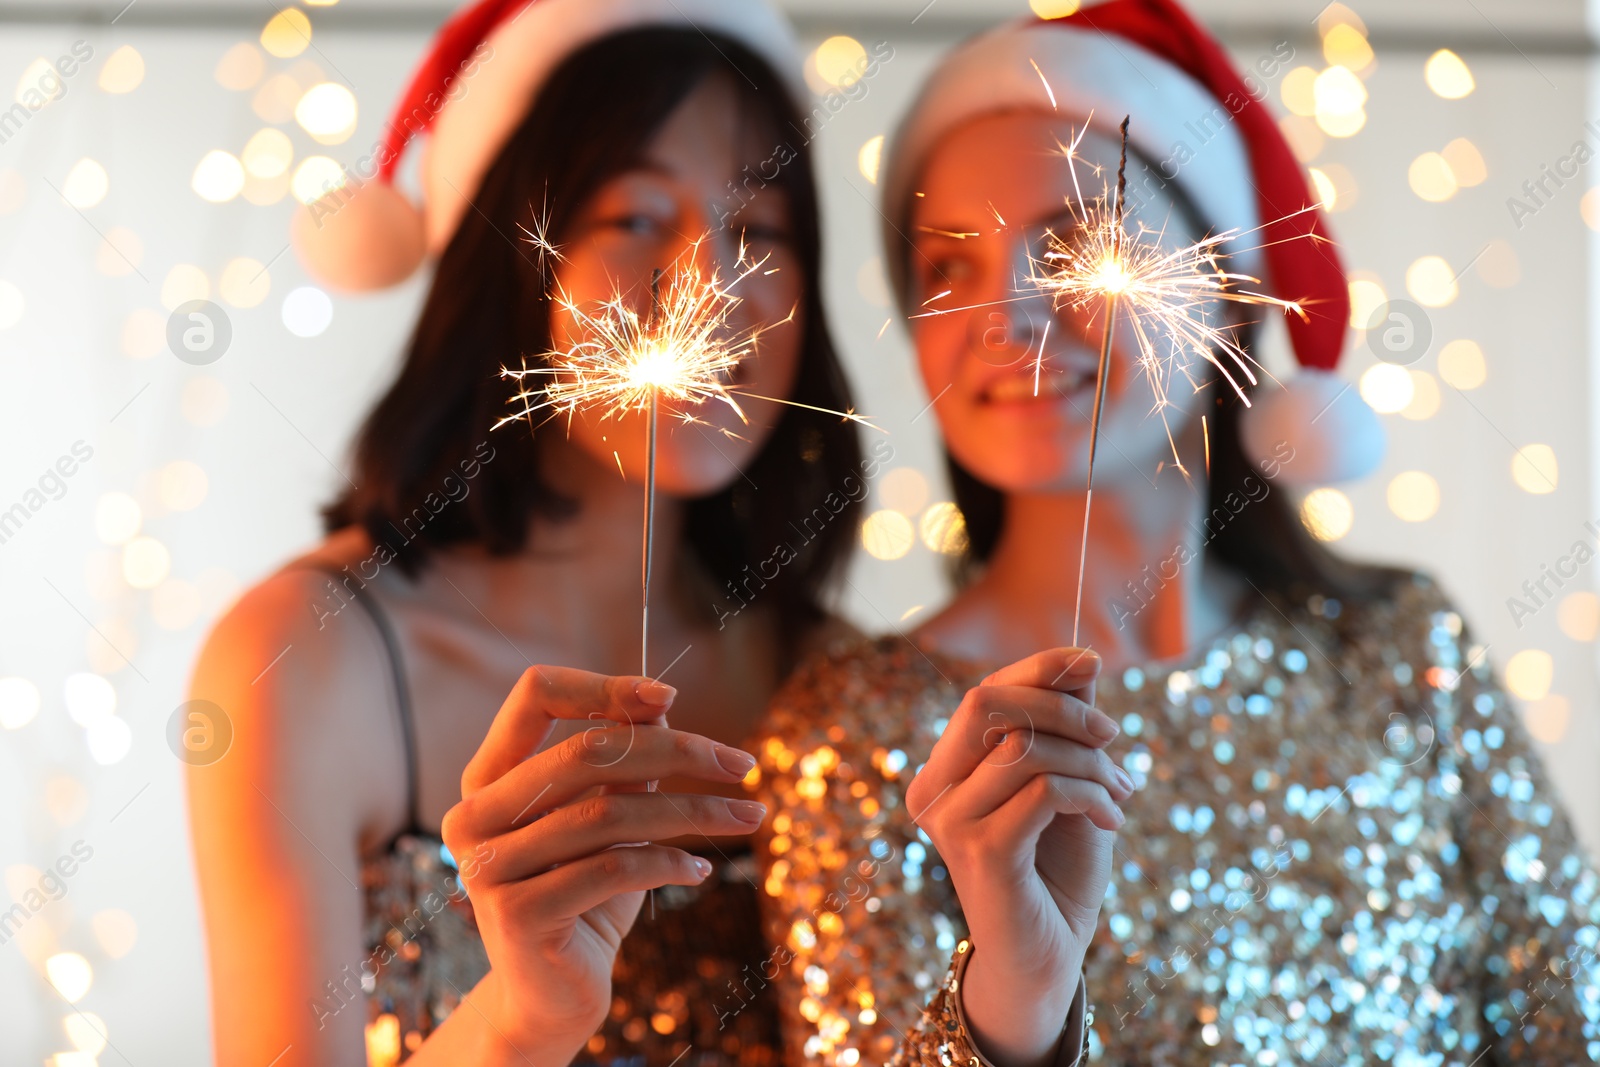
1055, 385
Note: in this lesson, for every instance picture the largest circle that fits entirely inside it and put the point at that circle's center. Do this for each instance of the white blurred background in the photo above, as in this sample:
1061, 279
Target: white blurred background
166, 170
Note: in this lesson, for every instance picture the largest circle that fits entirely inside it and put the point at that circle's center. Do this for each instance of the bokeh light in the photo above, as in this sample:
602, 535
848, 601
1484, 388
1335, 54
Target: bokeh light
182, 485
1425, 397
12, 305
944, 529
870, 158
89, 697
71, 974
1054, 9
839, 62
1579, 616
120, 253
184, 282
244, 282
1431, 282
240, 67
117, 518
1432, 178
122, 71
1466, 162
1547, 718
145, 562
116, 932
1534, 469
86, 184
1327, 514
904, 489
1461, 363
307, 311
1387, 388
1529, 673
19, 703
1414, 496
1367, 295
218, 177
316, 177
1447, 75
287, 34
327, 112
268, 153
887, 534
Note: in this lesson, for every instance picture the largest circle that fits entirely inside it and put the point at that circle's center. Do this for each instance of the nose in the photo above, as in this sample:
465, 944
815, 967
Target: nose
1020, 314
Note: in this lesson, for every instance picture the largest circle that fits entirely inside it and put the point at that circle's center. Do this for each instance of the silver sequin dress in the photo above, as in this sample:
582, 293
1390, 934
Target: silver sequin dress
1343, 851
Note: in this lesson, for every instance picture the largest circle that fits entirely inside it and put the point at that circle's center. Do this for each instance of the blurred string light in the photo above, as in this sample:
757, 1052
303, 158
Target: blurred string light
1437, 176
1578, 614
1327, 514
904, 489
315, 177
1387, 388
1367, 295
240, 68
1425, 398
1547, 718
144, 334
327, 112
116, 932
838, 63
122, 72
184, 282
870, 158
1498, 264
944, 529
86, 1031
1432, 282
86, 184
71, 975
1447, 75
1461, 364
120, 252
219, 177
145, 562
286, 34
31, 87
1413, 496
277, 98
182, 485
117, 518
887, 534
1534, 469
307, 311
245, 282
268, 153
19, 703
1054, 9
1529, 673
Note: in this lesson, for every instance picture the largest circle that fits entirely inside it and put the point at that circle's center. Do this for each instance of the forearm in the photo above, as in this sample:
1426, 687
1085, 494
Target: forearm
487, 1030
1013, 1022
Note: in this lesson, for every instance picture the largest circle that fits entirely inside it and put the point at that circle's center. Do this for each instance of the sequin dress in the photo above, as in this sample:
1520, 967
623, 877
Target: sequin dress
1343, 851
692, 985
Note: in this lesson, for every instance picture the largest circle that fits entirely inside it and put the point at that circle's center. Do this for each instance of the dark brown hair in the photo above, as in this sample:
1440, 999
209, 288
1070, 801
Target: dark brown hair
488, 307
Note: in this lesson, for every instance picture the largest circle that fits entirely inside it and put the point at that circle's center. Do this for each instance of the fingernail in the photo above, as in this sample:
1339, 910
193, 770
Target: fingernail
1085, 662
1122, 776
1121, 818
735, 761
702, 867
1102, 727
656, 694
750, 811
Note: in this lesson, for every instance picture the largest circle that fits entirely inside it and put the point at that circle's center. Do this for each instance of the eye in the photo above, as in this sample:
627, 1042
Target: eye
635, 224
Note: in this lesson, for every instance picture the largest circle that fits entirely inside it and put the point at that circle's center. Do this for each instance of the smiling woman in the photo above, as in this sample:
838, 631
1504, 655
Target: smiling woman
613, 130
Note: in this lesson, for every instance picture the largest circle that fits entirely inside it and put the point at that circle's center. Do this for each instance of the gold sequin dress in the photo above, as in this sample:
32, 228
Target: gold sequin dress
1343, 851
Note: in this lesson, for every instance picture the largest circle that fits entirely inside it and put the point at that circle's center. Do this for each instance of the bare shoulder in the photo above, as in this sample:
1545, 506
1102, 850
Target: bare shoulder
301, 693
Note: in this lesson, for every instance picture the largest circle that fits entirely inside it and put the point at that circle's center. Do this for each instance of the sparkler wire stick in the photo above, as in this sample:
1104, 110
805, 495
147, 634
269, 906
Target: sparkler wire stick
650, 488
1100, 375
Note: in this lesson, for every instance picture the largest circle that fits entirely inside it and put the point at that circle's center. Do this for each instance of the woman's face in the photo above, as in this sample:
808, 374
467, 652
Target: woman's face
1002, 181
692, 185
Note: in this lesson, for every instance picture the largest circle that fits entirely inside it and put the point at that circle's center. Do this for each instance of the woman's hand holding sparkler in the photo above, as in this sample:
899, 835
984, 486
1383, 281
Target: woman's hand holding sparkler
1022, 803
562, 840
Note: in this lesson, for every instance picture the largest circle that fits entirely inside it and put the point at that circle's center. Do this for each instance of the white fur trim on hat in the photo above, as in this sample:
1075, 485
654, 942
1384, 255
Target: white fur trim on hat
1336, 437
370, 236
1089, 74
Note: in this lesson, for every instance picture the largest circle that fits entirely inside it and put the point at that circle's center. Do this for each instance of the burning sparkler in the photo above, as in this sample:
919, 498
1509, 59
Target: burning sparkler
1166, 296
684, 350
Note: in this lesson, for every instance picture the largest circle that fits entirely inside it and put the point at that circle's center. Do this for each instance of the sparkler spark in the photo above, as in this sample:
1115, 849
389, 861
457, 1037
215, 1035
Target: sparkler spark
684, 350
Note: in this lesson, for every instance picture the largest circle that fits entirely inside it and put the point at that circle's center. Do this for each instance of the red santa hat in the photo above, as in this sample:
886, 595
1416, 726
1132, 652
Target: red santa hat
471, 91
1192, 112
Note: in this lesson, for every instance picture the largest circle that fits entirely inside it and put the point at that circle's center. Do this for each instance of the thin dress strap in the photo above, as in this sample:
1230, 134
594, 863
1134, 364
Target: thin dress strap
402, 691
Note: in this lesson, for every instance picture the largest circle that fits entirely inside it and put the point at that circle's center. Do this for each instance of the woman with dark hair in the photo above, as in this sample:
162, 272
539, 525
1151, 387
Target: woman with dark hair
352, 781
1311, 821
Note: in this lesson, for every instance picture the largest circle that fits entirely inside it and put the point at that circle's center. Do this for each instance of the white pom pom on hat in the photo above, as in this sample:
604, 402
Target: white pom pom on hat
1150, 60
368, 235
